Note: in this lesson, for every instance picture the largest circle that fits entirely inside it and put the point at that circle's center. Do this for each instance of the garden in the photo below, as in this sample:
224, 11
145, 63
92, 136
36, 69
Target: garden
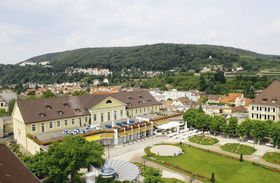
272, 157
238, 148
203, 140
204, 163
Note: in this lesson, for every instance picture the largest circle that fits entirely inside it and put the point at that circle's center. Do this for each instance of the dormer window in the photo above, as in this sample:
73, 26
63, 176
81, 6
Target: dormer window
141, 97
264, 99
108, 101
42, 115
66, 105
129, 104
49, 107
77, 110
149, 101
140, 102
274, 100
130, 98
60, 112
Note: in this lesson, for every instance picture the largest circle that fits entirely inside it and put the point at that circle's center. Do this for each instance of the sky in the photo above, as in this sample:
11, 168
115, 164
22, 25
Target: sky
33, 27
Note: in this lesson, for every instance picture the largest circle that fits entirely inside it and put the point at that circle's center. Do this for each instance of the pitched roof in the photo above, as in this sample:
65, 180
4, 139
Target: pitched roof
37, 110
230, 97
8, 96
185, 100
270, 95
213, 97
12, 170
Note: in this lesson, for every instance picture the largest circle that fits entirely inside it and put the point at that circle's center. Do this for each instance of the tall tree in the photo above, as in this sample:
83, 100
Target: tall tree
275, 133
63, 160
232, 124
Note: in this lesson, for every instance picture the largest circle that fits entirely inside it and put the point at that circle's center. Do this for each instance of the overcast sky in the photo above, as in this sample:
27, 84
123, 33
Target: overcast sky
33, 27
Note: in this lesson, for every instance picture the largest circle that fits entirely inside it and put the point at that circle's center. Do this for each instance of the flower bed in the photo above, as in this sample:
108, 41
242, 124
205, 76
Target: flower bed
272, 157
203, 140
238, 148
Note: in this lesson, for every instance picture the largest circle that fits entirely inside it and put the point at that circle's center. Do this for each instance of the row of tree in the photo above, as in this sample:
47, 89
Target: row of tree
248, 128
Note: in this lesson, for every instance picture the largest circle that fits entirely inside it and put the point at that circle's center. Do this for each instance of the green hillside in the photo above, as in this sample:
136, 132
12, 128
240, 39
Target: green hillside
157, 57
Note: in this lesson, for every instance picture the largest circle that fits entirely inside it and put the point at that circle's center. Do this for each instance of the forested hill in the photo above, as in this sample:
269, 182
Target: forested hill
159, 57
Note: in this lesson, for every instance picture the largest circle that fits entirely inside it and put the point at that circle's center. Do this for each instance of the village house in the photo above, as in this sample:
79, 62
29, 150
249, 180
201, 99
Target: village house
5, 98
266, 106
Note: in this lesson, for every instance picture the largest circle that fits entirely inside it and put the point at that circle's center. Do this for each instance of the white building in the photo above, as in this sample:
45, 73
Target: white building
27, 63
266, 106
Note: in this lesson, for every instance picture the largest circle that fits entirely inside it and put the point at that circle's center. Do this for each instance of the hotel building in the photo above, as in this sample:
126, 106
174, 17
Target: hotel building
36, 122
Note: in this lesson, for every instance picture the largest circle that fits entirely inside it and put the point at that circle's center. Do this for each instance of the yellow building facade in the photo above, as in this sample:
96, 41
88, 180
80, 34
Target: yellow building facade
49, 117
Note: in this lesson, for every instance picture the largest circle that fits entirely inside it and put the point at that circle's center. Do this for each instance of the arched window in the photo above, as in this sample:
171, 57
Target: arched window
108, 101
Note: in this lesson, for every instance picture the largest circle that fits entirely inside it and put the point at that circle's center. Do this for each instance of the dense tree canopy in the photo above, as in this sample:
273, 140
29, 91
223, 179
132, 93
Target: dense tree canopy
63, 160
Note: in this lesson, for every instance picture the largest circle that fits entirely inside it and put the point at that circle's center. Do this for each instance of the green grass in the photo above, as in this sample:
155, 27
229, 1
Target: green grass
238, 148
272, 157
203, 140
225, 169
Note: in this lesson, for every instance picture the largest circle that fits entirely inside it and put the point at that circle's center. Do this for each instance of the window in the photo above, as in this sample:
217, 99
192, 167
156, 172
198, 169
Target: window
140, 110
66, 122
268, 109
257, 108
108, 101
58, 124
42, 115
109, 116
115, 115
252, 115
43, 127
33, 128
273, 109
94, 117
121, 112
85, 119
51, 124
49, 107
80, 121
59, 112
2, 104
78, 110
144, 109
101, 117
66, 105
73, 121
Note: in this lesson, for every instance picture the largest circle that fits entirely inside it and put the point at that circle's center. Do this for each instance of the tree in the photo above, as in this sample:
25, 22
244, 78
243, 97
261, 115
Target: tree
191, 116
214, 124
260, 130
220, 77
232, 124
241, 131
275, 133
47, 94
212, 177
202, 83
152, 175
63, 160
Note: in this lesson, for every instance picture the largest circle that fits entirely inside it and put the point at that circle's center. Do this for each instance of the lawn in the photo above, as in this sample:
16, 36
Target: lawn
272, 157
225, 169
238, 148
203, 140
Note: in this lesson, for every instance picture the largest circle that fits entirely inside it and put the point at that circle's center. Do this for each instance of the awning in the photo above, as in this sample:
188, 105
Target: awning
93, 137
169, 125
